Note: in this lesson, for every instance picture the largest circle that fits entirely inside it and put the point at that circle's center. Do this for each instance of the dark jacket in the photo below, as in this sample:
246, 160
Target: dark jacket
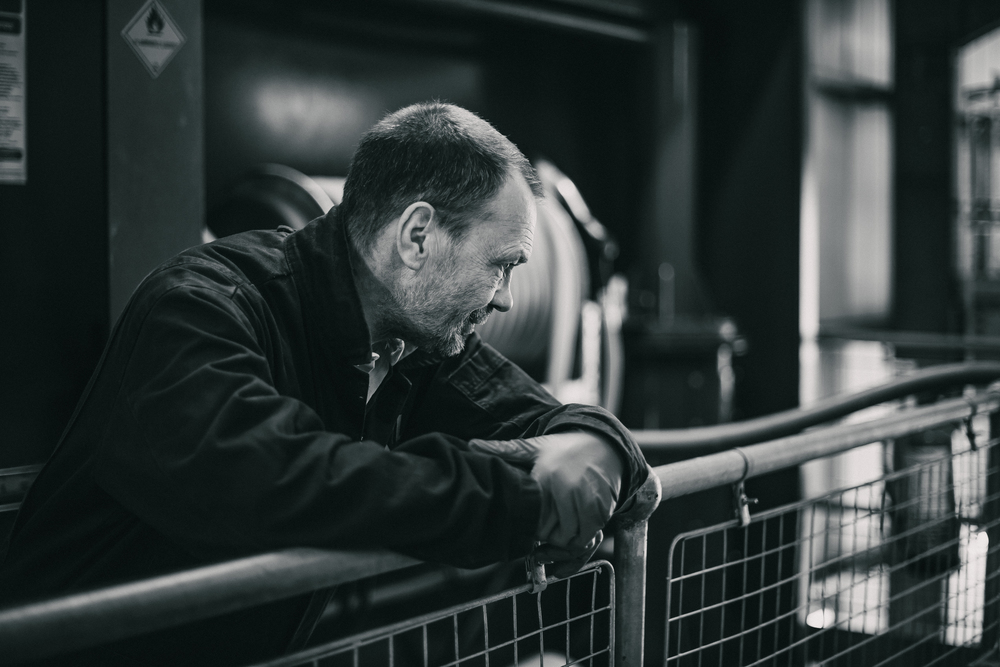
227, 418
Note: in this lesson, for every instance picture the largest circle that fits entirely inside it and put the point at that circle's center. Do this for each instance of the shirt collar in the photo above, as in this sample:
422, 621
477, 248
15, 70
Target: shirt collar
396, 349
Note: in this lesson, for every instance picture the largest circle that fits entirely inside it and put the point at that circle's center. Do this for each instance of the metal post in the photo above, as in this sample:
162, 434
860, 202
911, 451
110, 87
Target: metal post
991, 519
630, 575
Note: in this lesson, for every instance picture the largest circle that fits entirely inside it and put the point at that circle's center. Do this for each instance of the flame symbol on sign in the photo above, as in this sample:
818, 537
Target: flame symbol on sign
154, 22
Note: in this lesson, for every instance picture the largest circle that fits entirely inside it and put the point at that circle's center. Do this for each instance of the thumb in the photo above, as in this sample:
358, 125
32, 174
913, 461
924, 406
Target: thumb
522, 450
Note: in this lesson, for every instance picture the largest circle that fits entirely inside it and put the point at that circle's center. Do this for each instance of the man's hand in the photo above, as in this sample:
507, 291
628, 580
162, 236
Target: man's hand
580, 476
566, 562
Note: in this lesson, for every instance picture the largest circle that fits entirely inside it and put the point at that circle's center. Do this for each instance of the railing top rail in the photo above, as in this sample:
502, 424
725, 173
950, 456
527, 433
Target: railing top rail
708, 439
21, 470
85, 619
14, 483
82, 620
739, 463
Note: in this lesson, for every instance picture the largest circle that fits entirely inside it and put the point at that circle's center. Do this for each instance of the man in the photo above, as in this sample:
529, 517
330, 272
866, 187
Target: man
326, 388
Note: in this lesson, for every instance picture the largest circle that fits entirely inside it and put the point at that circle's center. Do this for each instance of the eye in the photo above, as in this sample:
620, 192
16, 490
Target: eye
507, 268
501, 274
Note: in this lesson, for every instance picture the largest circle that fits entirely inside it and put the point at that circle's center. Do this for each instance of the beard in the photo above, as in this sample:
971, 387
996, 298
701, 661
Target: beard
480, 315
425, 319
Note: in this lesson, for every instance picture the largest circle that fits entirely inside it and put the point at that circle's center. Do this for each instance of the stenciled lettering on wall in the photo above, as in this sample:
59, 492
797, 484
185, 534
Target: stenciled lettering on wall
154, 36
13, 148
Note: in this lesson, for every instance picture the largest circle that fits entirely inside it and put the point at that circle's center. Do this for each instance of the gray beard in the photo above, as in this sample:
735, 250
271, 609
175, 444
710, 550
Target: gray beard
425, 335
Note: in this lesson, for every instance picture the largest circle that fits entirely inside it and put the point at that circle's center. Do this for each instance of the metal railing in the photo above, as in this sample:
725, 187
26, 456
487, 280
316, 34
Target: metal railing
84, 620
903, 569
617, 592
706, 439
14, 483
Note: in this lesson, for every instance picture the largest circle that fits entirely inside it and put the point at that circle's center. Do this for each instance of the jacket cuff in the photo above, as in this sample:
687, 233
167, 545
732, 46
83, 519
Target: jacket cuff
634, 467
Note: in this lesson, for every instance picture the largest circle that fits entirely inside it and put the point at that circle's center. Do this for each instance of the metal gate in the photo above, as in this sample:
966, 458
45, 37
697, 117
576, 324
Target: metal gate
898, 571
569, 622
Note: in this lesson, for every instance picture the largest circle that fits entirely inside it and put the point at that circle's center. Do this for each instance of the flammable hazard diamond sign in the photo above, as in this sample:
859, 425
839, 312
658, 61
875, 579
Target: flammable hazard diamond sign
153, 36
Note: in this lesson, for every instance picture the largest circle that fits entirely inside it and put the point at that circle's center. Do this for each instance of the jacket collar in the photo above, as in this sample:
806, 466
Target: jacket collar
321, 259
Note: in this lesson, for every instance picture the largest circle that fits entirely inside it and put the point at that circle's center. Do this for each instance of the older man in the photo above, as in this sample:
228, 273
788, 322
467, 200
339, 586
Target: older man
326, 388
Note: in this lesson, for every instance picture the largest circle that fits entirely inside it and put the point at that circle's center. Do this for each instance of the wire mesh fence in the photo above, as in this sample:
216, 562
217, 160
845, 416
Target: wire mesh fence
570, 622
901, 570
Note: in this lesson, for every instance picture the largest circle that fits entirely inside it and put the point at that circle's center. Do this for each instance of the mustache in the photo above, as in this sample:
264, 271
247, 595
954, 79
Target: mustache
481, 315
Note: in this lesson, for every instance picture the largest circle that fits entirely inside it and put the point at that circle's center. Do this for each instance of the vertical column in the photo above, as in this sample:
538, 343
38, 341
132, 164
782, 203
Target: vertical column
991, 521
630, 572
155, 137
673, 192
926, 295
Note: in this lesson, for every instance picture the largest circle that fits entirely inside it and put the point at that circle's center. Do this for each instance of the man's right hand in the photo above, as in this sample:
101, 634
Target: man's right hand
580, 477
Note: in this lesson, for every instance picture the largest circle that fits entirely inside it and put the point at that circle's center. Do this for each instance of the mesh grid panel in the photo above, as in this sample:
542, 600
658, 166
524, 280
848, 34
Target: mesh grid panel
898, 571
571, 622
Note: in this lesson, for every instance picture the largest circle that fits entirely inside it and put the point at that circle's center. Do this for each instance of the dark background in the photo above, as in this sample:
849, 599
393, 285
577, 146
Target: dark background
579, 82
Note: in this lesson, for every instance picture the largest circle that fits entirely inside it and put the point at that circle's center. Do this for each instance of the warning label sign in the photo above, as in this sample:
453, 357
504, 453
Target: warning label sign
153, 36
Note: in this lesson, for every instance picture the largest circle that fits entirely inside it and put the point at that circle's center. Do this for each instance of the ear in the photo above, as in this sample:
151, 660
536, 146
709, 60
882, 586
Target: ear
413, 233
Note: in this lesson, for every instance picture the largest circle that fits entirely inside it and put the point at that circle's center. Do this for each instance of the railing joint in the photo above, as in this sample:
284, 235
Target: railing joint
535, 572
740, 499
742, 502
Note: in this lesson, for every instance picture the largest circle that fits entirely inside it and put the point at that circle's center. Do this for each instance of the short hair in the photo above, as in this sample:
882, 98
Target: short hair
435, 152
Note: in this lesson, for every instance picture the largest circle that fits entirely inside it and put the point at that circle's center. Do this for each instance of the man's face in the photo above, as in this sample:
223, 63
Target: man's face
468, 279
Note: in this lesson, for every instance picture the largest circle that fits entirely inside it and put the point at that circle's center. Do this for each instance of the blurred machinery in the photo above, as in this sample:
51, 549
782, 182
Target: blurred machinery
680, 373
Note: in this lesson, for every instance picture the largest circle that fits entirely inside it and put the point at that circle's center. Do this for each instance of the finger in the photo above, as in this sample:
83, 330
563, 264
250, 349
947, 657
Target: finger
569, 567
593, 517
550, 553
548, 518
582, 542
514, 451
566, 501
558, 560
593, 543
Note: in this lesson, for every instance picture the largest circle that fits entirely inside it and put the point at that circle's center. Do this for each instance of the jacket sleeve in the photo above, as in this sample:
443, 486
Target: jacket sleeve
201, 446
481, 394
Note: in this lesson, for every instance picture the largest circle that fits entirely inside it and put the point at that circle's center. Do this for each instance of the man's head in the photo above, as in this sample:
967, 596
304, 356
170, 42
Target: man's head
442, 206
433, 152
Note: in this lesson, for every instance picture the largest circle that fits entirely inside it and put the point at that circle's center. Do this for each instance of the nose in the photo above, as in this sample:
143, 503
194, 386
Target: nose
502, 298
